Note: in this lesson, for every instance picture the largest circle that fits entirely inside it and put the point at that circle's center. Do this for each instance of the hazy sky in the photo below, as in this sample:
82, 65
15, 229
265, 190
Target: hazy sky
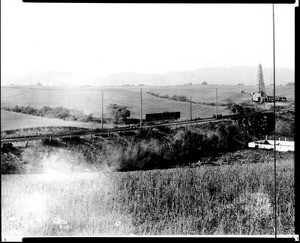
98, 39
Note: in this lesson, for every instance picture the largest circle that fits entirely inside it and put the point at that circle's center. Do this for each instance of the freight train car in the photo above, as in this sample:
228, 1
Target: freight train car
277, 98
164, 116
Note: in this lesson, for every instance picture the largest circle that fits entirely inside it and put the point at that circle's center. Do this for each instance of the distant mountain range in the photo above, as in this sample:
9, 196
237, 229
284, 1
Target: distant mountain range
218, 75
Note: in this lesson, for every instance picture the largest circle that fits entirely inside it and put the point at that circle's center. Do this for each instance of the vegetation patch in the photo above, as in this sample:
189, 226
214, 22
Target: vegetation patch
183, 98
160, 149
235, 199
285, 124
54, 112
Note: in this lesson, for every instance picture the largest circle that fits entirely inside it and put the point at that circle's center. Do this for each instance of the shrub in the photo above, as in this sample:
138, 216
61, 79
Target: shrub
242, 108
285, 124
10, 164
118, 112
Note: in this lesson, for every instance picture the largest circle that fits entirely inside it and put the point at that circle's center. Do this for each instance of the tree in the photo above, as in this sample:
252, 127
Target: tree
118, 112
236, 108
204, 83
241, 108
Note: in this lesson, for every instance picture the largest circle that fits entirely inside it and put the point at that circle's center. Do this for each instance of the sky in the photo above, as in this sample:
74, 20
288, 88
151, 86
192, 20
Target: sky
97, 39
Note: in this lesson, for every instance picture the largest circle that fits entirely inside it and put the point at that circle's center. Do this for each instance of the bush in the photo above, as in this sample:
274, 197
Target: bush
231, 137
285, 124
118, 112
58, 112
16, 109
181, 98
243, 108
10, 165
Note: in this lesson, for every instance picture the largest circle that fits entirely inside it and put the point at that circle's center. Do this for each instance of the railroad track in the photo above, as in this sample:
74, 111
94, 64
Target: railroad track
108, 131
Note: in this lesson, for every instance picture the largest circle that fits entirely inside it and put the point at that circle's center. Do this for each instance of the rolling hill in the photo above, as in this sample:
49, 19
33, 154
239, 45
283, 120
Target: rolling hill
212, 75
89, 100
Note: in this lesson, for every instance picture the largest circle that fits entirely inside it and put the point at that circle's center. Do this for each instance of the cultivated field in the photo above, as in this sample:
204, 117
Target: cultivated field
233, 199
88, 99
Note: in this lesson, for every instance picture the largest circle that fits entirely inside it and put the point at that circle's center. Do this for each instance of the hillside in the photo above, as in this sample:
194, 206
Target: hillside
12, 120
89, 99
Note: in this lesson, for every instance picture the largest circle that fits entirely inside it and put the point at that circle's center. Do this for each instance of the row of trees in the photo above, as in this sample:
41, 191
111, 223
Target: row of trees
182, 98
119, 113
54, 112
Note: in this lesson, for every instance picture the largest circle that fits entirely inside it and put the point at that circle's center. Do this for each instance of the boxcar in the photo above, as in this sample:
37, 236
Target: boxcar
164, 116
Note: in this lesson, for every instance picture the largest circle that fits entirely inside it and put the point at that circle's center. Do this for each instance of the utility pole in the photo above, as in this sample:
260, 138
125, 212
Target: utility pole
275, 181
102, 112
191, 116
141, 119
216, 103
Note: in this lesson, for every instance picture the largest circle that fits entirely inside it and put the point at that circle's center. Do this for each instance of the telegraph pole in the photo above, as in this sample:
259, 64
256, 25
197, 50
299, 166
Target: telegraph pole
275, 181
102, 112
216, 103
141, 119
191, 116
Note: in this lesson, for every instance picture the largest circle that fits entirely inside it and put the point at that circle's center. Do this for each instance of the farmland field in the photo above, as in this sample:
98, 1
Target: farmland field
88, 99
236, 199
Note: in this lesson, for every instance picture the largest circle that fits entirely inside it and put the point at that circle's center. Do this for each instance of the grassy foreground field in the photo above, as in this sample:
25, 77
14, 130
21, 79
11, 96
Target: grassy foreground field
236, 199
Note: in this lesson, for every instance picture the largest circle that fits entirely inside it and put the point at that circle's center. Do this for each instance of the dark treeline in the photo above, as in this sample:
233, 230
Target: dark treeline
180, 147
55, 112
181, 98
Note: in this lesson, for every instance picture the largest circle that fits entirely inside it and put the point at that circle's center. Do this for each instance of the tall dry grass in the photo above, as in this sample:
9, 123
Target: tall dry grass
235, 199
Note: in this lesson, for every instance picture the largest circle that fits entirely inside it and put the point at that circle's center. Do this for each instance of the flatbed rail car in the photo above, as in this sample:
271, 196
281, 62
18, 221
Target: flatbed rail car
277, 98
219, 116
164, 116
